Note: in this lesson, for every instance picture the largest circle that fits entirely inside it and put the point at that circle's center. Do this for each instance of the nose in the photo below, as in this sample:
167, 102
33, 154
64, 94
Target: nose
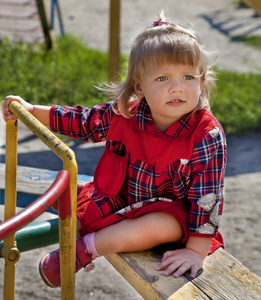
175, 86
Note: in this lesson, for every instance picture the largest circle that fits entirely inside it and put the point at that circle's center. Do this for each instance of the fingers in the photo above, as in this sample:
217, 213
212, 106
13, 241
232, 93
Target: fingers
194, 271
174, 266
167, 259
179, 262
167, 254
178, 268
6, 113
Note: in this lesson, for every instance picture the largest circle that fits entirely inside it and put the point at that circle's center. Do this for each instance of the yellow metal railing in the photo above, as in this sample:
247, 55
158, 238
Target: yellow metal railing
12, 254
67, 227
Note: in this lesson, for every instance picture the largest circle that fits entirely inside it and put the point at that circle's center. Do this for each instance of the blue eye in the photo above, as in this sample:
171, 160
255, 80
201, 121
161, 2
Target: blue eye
188, 77
162, 78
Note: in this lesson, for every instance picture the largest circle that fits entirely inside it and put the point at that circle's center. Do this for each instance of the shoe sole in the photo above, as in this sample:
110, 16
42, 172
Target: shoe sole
41, 272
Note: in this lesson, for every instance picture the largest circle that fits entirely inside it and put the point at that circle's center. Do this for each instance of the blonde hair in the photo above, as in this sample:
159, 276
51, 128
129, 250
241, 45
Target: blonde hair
164, 42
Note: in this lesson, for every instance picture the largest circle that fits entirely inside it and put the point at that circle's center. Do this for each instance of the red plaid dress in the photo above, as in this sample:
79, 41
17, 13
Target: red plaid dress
179, 171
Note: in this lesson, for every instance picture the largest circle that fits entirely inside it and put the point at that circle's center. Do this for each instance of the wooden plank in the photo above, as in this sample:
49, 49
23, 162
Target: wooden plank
33, 180
255, 4
189, 291
30, 180
229, 278
139, 270
223, 277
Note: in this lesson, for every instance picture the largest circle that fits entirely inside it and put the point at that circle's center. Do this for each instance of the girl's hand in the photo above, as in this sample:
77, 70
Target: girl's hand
7, 114
180, 261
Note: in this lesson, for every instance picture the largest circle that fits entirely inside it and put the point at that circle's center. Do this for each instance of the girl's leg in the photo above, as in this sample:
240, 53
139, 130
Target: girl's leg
136, 234
141, 233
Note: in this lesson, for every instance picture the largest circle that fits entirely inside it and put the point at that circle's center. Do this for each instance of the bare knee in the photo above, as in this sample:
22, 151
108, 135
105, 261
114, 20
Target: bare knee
165, 227
141, 233
156, 228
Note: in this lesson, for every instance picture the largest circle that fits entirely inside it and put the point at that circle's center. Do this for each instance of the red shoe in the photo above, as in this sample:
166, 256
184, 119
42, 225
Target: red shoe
49, 266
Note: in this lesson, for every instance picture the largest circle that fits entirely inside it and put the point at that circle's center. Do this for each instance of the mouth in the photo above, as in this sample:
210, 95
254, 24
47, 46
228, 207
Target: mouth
175, 101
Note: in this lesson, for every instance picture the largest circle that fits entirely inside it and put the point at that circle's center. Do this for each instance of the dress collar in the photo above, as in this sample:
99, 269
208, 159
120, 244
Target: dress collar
177, 130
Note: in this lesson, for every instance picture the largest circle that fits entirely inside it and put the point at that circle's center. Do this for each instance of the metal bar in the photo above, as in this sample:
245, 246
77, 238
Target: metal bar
45, 24
11, 254
37, 207
60, 17
55, 3
52, 14
67, 266
69, 164
36, 235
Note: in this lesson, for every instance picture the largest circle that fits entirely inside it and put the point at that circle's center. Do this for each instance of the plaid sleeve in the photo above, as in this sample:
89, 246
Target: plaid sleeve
82, 123
207, 184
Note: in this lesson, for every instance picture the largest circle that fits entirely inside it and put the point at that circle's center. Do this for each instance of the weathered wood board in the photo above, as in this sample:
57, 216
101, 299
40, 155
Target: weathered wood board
223, 277
33, 180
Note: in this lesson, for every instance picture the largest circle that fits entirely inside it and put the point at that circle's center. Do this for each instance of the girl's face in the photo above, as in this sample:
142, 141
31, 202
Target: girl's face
171, 91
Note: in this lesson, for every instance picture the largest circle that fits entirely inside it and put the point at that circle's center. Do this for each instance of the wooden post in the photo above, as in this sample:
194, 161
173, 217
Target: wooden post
45, 24
255, 4
114, 44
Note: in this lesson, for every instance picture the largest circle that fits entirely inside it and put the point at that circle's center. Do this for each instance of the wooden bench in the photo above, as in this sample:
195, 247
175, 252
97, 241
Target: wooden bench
222, 277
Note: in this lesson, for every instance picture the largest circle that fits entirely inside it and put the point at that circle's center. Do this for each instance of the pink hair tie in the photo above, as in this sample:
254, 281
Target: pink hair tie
159, 22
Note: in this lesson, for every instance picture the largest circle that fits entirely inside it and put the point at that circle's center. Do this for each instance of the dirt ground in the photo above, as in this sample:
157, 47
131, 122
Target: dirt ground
219, 23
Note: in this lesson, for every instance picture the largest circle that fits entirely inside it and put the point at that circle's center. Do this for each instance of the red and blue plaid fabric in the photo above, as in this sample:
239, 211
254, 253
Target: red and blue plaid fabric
197, 183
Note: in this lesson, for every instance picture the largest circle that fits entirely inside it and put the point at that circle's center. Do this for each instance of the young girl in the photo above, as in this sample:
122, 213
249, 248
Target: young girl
161, 177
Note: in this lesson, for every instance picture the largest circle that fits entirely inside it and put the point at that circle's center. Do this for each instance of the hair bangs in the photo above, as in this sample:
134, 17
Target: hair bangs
167, 49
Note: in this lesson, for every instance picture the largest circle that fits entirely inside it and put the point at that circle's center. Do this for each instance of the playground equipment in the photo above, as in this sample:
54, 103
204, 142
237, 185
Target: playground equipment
114, 43
58, 191
67, 213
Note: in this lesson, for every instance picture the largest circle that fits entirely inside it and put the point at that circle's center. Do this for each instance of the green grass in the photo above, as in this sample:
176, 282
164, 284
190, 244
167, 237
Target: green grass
237, 103
68, 76
65, 76
254, 41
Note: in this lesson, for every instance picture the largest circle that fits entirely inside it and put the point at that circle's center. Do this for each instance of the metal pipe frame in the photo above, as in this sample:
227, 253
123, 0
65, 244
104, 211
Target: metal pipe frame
11, 253
67, 224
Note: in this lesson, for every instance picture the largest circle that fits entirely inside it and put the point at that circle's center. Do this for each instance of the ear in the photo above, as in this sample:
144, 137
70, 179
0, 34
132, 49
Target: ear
137, 88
